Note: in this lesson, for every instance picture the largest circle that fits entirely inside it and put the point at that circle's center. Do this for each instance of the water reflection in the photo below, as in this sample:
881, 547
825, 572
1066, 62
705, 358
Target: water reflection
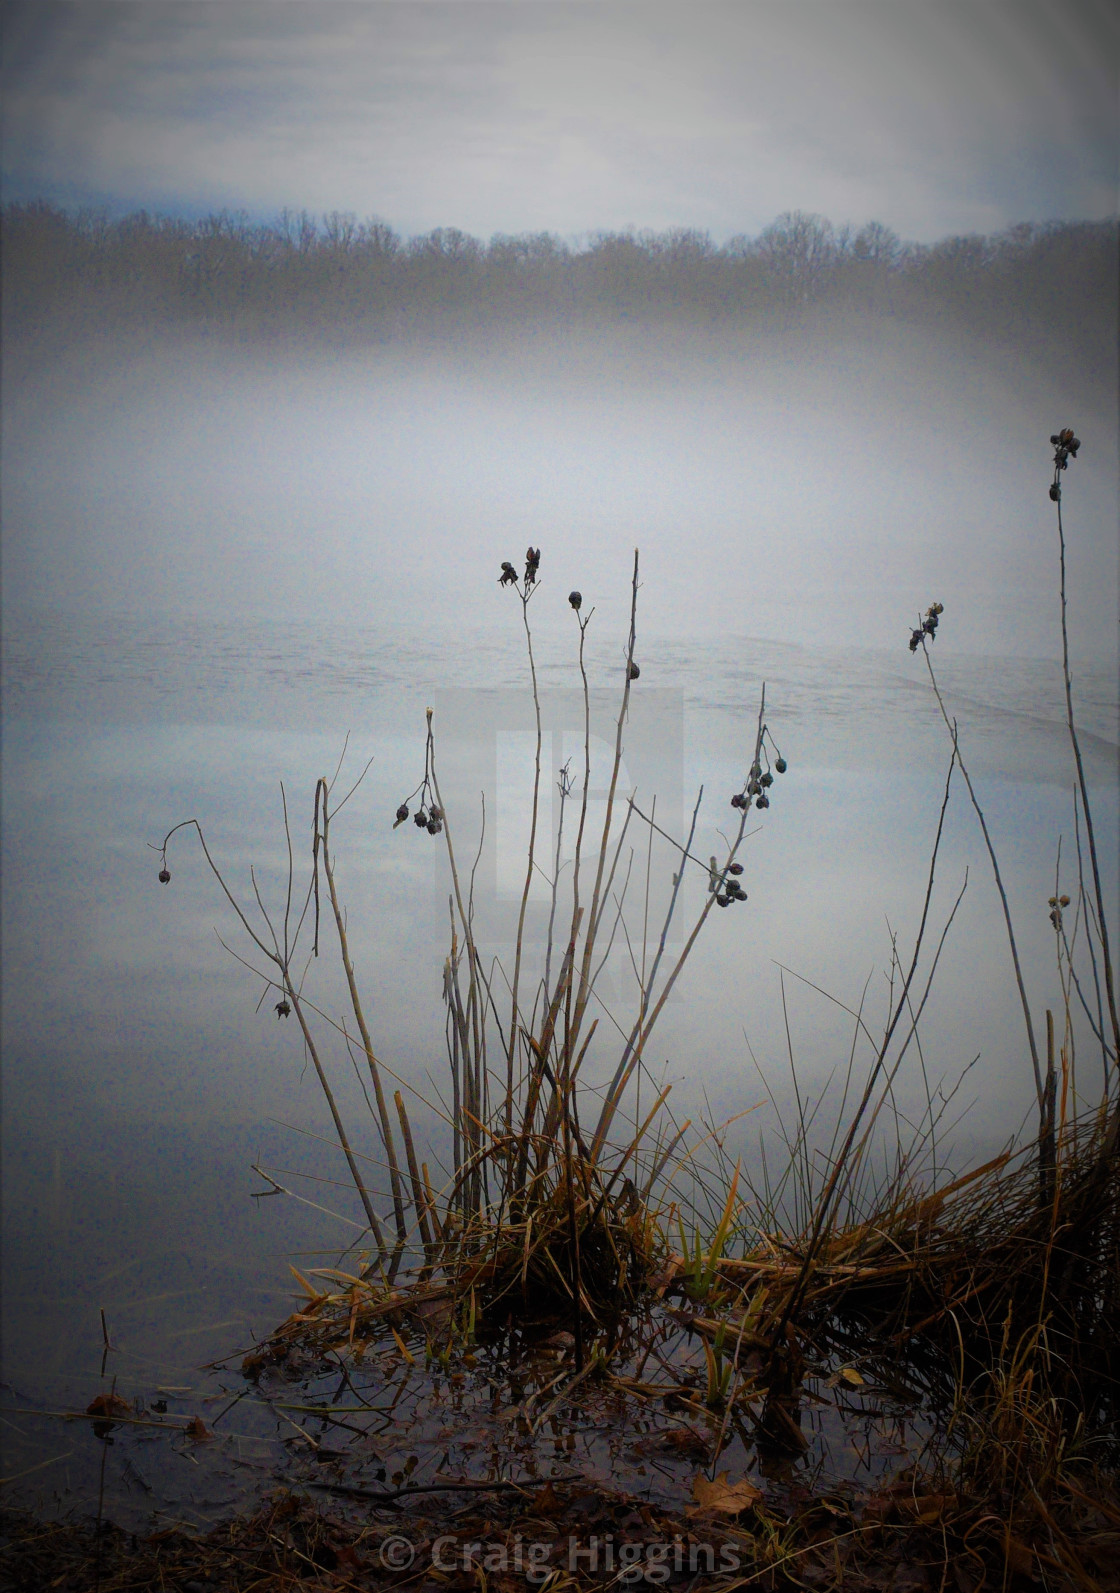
142, 1081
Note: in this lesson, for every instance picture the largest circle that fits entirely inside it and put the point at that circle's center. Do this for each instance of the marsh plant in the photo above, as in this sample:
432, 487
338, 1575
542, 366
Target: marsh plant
553, 1199
994, 1296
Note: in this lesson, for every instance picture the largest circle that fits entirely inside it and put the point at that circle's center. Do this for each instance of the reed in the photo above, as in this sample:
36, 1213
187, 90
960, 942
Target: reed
993, 1295
550, 1201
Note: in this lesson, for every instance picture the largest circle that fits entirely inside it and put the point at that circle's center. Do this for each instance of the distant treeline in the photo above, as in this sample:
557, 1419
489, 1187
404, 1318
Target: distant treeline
1037, 286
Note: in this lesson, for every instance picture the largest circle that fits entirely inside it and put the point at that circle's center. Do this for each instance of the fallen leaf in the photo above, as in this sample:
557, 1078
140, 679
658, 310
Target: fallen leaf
1020, 1557
106, 1407
109, 1405
930, 1507
729, 1498
559, 1341
197, 1429
684, 1442
547, 1502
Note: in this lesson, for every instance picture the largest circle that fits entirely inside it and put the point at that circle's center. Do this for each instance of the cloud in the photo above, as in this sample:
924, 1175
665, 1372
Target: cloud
933, 117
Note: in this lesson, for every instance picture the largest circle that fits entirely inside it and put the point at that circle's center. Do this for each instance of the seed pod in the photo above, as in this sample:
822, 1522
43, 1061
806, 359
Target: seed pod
421, 820
1063, 901
575, 599
722, 900
1055, 493
763, 801
283, 1010
165, 876
766, 779
753, 788
434, 812
738, 800
1055, 439
402, 813
735, 868
781, 765
434, 826
634, 671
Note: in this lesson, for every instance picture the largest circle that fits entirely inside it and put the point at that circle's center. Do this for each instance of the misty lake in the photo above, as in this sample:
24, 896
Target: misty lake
144, 1074
219, 563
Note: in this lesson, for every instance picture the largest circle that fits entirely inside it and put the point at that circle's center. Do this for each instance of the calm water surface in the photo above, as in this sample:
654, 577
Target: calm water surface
144, 1075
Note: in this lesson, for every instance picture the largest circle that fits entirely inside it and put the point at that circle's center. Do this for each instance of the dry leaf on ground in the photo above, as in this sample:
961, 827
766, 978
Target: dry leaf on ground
729, 1498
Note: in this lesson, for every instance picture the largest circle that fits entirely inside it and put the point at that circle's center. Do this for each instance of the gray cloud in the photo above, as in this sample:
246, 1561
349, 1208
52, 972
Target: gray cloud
933, 117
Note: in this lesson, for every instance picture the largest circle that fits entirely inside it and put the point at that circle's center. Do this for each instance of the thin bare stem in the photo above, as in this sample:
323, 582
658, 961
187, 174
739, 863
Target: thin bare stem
1102, 925
359, 1018
950, 725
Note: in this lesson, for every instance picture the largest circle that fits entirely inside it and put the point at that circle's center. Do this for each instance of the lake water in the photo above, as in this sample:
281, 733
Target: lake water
144, 1074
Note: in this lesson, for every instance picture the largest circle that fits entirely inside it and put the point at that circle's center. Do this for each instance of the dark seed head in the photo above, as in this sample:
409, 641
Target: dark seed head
763, 801
1055, 439
1055, 493
722, 900
421, 820
781, 765
738, 800
402, 813
766, 779
735, 868
283, 1010
575, 599
165, 876
634, 671
434, 826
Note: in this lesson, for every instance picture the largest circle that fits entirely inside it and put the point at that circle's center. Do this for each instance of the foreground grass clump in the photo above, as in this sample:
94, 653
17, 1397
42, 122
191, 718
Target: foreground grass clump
573, 1217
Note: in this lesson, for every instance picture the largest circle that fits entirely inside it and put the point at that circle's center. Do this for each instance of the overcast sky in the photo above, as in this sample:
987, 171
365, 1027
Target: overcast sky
932, 117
